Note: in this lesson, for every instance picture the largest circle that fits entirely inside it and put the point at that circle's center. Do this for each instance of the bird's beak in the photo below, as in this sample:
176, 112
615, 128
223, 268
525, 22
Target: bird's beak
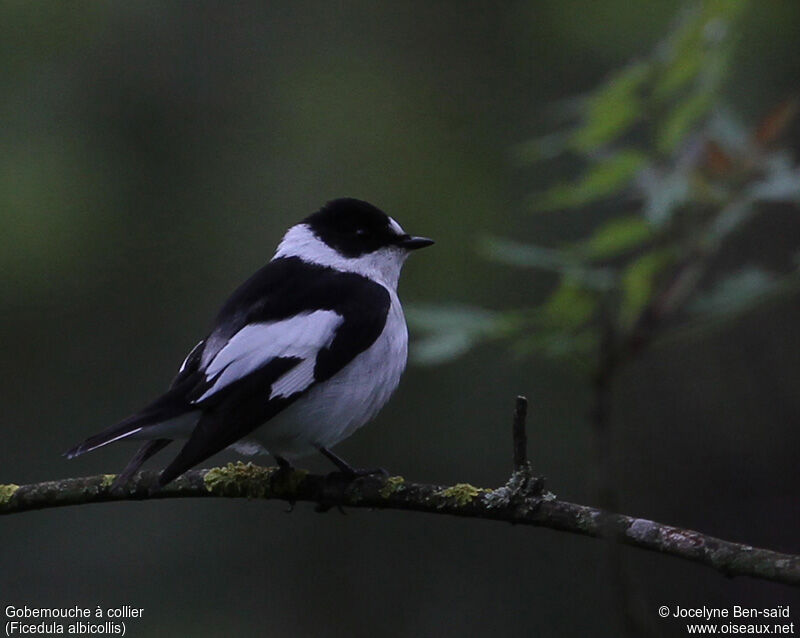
413, 243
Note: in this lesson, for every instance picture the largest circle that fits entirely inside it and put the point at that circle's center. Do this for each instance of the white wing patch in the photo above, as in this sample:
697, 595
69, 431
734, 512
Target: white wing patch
189, 356
294, 380
255, 345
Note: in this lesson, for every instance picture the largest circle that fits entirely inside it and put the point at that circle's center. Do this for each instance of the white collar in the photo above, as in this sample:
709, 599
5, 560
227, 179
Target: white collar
382, 266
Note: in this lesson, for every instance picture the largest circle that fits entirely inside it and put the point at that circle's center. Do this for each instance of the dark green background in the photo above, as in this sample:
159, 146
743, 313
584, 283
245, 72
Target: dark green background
152, 153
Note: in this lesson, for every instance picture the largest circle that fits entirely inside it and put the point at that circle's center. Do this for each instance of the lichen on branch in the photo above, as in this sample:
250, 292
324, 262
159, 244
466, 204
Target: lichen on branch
521, 501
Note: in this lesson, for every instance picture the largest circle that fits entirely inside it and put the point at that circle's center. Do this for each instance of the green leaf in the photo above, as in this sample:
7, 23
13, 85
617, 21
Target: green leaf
541, 148
616, 236
577, 349
781, 182
612, 109
440, 348
682, 69
638, 284
530, 256
561, 326
730, 219
736, 292
452, 330
570, 306
448, 317
606, 177
663, 193
727, 130
697, 48
682, 120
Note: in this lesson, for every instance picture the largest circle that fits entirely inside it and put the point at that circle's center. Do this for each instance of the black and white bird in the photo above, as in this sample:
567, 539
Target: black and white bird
305, 352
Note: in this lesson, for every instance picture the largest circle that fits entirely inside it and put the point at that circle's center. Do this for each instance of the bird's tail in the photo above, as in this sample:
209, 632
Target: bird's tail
168, 406
116, 432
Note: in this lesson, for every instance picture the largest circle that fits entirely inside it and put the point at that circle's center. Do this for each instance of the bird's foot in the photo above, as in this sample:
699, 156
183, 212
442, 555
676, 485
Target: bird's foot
284, 467
351, 473
346, 471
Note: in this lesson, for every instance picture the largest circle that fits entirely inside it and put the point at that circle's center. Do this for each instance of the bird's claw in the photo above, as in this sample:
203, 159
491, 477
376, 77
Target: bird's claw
355, 473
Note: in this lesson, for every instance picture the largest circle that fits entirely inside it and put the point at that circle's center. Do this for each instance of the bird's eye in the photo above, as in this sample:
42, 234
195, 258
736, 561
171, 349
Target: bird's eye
361, 232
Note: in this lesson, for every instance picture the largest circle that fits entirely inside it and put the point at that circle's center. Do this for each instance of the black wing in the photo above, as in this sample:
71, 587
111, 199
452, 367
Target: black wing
290, 326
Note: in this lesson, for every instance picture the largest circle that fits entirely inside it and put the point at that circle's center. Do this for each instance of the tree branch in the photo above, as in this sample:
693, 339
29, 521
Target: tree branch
518, 502
250, 481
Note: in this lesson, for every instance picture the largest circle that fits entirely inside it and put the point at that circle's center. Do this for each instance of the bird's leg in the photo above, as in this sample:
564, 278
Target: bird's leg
345, 469
145, 452
284, 467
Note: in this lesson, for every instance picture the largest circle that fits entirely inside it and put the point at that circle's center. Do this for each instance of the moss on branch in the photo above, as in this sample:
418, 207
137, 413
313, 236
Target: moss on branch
521, 501
533, 508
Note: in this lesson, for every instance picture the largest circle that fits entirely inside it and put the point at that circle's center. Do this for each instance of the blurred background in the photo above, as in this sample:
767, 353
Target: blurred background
152, 154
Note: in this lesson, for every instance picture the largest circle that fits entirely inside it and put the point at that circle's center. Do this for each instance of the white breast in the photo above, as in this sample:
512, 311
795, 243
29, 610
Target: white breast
334, 409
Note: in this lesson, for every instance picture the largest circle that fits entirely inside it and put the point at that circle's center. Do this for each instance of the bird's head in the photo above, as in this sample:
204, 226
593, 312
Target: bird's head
354, 236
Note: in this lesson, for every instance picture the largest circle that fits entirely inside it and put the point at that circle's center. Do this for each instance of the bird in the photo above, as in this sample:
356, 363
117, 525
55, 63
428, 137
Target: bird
302, 354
